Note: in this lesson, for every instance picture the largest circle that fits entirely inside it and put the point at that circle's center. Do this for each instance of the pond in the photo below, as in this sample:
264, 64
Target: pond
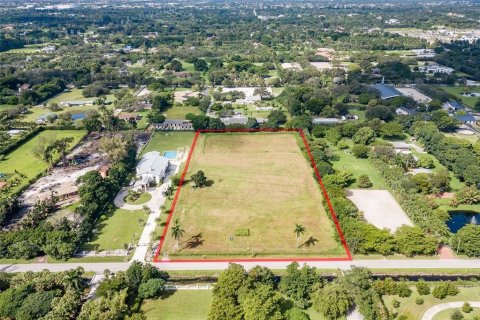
458, 219
78, 116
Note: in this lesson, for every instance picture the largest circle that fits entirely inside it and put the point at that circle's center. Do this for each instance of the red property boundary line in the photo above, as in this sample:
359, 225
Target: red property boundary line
319, 179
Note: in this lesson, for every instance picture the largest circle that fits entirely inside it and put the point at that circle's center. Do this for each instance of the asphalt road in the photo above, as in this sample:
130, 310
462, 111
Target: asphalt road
203, 265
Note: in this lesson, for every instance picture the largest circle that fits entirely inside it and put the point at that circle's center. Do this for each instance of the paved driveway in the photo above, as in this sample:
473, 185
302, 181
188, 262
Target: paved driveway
430, 313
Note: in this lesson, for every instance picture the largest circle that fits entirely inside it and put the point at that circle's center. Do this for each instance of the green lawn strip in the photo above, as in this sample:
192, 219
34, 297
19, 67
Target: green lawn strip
144, 198
117, 228
426, 271
91, 259
23, 160
164, 141
445, 314
179, 112
414, 311
179, 305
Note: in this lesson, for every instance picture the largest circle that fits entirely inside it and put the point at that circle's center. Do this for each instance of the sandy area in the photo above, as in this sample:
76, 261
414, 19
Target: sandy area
380, 208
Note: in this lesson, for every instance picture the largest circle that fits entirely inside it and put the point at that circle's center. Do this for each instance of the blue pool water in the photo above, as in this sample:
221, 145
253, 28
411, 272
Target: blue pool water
170, 154
458, 219
78, 116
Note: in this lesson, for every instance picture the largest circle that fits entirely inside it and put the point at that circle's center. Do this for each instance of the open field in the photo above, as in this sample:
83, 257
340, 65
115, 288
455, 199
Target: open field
348, 162
163, 141
189, 305
383, 212
260, 183
23, 160
179, 112
36, 112
457, 91
116, 228
179, 305
415, 312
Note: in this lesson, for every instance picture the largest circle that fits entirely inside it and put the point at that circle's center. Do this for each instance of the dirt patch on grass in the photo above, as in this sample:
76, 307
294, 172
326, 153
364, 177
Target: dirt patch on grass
380, 208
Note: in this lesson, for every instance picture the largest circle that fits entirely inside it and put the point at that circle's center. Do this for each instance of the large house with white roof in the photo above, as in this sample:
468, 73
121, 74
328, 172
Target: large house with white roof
152, 168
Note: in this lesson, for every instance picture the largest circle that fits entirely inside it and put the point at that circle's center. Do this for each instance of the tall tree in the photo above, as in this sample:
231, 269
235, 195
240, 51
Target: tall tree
299, 230
177, 232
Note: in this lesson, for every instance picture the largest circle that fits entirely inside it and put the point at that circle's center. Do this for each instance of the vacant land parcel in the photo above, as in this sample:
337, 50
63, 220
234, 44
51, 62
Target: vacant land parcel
261, 186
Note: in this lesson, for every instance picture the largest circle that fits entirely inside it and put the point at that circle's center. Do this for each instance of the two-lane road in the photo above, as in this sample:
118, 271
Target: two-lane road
275, 265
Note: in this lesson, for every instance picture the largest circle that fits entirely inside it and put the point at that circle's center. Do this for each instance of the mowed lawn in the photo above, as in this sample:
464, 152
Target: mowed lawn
179, 112
348, 162
261, 183
164, 141
117, 228
409, 308
180, 305
23, 160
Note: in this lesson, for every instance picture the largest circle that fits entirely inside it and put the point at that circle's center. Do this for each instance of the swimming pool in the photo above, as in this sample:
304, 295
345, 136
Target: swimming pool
170, 154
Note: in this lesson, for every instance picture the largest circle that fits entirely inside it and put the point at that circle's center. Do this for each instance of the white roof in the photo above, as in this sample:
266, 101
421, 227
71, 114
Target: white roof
152, 162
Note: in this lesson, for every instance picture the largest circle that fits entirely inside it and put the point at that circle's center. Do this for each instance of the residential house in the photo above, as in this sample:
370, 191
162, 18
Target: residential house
466, 119
174, 124
152, 168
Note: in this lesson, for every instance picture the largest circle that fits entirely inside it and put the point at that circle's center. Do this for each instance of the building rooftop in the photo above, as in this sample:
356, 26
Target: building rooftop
465, 118
152, 162
387, 92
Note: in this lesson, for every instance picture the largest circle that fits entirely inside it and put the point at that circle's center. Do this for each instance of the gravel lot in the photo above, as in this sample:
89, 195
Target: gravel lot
380, 208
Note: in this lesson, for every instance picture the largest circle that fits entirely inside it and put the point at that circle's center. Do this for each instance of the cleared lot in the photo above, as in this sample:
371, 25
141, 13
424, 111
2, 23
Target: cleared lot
380, 208
262, 186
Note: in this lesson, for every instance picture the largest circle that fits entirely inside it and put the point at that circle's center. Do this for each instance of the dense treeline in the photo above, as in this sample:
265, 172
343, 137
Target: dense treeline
456, 154
9, 43
42, 295
257, 294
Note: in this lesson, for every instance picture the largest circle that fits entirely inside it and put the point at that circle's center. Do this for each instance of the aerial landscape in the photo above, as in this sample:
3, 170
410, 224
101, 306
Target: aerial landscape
240, 160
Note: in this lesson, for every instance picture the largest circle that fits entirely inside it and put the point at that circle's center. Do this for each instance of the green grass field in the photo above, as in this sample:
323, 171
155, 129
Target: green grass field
117, 228
163, 141
180, 305
189, 305
23, 160
36, 112
261, 183
179, 112
348, 162
413, 311
457, 91
144, 198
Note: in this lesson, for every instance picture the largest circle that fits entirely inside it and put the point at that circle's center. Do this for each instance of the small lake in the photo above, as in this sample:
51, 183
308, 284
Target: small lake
461, 218
78, 116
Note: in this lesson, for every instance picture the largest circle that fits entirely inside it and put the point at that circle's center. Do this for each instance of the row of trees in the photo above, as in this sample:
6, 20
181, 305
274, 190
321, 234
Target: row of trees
258, 294
42, 295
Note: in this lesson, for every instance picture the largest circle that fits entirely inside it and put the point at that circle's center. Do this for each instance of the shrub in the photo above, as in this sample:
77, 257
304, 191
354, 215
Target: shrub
403, 290
467, 308
396, 303
360, 151
419, 301
242, 232
422, 287
456, 315
364, 181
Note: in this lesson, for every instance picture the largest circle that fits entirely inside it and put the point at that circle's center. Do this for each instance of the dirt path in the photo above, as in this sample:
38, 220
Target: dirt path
430, 313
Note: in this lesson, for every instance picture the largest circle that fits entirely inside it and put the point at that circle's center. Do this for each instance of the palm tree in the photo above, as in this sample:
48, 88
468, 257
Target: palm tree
299, 230
177, 232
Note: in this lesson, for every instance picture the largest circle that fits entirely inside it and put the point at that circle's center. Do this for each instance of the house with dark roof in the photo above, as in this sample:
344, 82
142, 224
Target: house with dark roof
387, 92
405, 111
453, 105
174, 124
466, 119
